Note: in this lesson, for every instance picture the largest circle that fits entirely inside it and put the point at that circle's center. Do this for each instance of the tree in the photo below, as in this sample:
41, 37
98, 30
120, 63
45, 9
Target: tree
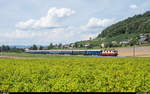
132, 26
149, 39
41, 47
90, 38
3, 48
50, 46
76, 45
60, 45
81, 45
7, 48
134, 41
14, 49
34, 47
90, 46
110, 44
124, 45
55, 46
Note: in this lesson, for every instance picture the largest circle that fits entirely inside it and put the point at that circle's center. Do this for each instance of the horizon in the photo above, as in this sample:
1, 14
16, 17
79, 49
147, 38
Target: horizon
44, 22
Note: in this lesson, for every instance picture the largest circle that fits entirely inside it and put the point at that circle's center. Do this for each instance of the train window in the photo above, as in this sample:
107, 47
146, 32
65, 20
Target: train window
115, 51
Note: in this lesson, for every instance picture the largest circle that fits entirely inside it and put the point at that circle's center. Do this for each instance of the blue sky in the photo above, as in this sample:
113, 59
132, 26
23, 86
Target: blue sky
27, 22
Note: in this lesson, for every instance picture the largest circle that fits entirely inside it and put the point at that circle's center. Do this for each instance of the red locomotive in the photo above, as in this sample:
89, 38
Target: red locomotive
109, 52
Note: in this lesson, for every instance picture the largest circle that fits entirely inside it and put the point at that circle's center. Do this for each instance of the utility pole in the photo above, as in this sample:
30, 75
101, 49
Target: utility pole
134, 43
134, 50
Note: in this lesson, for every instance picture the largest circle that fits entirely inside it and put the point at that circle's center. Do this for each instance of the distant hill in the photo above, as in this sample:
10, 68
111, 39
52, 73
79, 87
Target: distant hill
129, 28
133, 25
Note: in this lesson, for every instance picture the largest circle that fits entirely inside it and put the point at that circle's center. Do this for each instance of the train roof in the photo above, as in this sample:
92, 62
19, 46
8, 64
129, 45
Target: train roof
62, 50
68, 50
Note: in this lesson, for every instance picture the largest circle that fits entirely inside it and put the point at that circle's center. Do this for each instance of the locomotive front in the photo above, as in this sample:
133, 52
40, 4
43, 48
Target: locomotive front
109, 53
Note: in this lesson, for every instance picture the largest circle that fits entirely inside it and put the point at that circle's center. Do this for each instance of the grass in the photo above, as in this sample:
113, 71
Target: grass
73, 74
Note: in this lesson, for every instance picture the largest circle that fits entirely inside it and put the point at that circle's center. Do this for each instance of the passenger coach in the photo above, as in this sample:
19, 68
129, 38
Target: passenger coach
76, 52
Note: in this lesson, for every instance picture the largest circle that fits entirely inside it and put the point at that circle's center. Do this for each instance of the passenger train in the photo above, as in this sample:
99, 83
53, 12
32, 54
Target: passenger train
76, 52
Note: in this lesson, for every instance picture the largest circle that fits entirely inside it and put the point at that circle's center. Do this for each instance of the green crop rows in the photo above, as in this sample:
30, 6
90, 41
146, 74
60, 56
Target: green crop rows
75, 74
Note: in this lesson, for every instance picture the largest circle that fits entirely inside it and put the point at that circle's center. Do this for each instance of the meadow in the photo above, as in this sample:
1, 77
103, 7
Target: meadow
54, 73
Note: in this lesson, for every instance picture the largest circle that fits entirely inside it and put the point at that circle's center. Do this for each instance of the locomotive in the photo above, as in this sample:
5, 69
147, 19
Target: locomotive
76, 52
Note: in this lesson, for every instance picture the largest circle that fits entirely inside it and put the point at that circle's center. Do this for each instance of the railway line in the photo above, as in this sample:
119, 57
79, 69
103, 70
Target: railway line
76, 52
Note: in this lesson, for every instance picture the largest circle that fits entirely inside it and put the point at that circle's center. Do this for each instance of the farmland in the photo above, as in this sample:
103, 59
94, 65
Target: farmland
45, 73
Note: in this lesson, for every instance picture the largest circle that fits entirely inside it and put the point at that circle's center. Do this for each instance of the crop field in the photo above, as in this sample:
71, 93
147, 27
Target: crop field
47, 73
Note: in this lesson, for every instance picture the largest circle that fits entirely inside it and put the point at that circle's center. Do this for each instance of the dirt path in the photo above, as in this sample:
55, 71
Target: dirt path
139, 51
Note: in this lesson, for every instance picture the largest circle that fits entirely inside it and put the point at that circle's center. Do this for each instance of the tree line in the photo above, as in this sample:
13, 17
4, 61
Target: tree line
6, 48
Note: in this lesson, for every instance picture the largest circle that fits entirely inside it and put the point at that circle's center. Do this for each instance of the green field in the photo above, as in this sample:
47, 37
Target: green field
45, 73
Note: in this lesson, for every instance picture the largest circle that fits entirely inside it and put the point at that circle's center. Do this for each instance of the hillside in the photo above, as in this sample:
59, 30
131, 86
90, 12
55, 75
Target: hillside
130, 28
133, 25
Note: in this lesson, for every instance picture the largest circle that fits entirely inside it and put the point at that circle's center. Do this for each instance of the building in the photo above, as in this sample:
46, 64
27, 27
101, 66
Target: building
26, 49
114, 43
87, 45
67, 46
56, 46
124, 42
72, 45
144, 38
103, 44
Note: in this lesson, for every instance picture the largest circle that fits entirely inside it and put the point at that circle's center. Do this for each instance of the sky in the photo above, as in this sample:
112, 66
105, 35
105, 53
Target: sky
41, 22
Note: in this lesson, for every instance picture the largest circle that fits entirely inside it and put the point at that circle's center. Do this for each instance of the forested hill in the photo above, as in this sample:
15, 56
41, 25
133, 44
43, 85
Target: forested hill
129, 29
133, 25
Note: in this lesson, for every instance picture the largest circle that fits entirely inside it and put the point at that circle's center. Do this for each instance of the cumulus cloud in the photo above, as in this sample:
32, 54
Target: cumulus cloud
51, 29
133, 6
61, 35
52, 20
26, 30
96, 24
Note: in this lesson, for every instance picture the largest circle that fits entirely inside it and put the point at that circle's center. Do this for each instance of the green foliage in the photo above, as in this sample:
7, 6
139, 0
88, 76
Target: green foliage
50, 46
133, 25
60, 45
34, 47
75, 74
5, 48
76, 45
127, 29
41, 47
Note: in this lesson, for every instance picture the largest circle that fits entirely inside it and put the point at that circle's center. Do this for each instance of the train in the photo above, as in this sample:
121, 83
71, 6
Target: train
76, 52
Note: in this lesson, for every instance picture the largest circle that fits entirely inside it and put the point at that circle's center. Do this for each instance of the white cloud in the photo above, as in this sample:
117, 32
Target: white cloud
52, 20
133, 6
25, 33
63, 35
26, 30
95, 22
